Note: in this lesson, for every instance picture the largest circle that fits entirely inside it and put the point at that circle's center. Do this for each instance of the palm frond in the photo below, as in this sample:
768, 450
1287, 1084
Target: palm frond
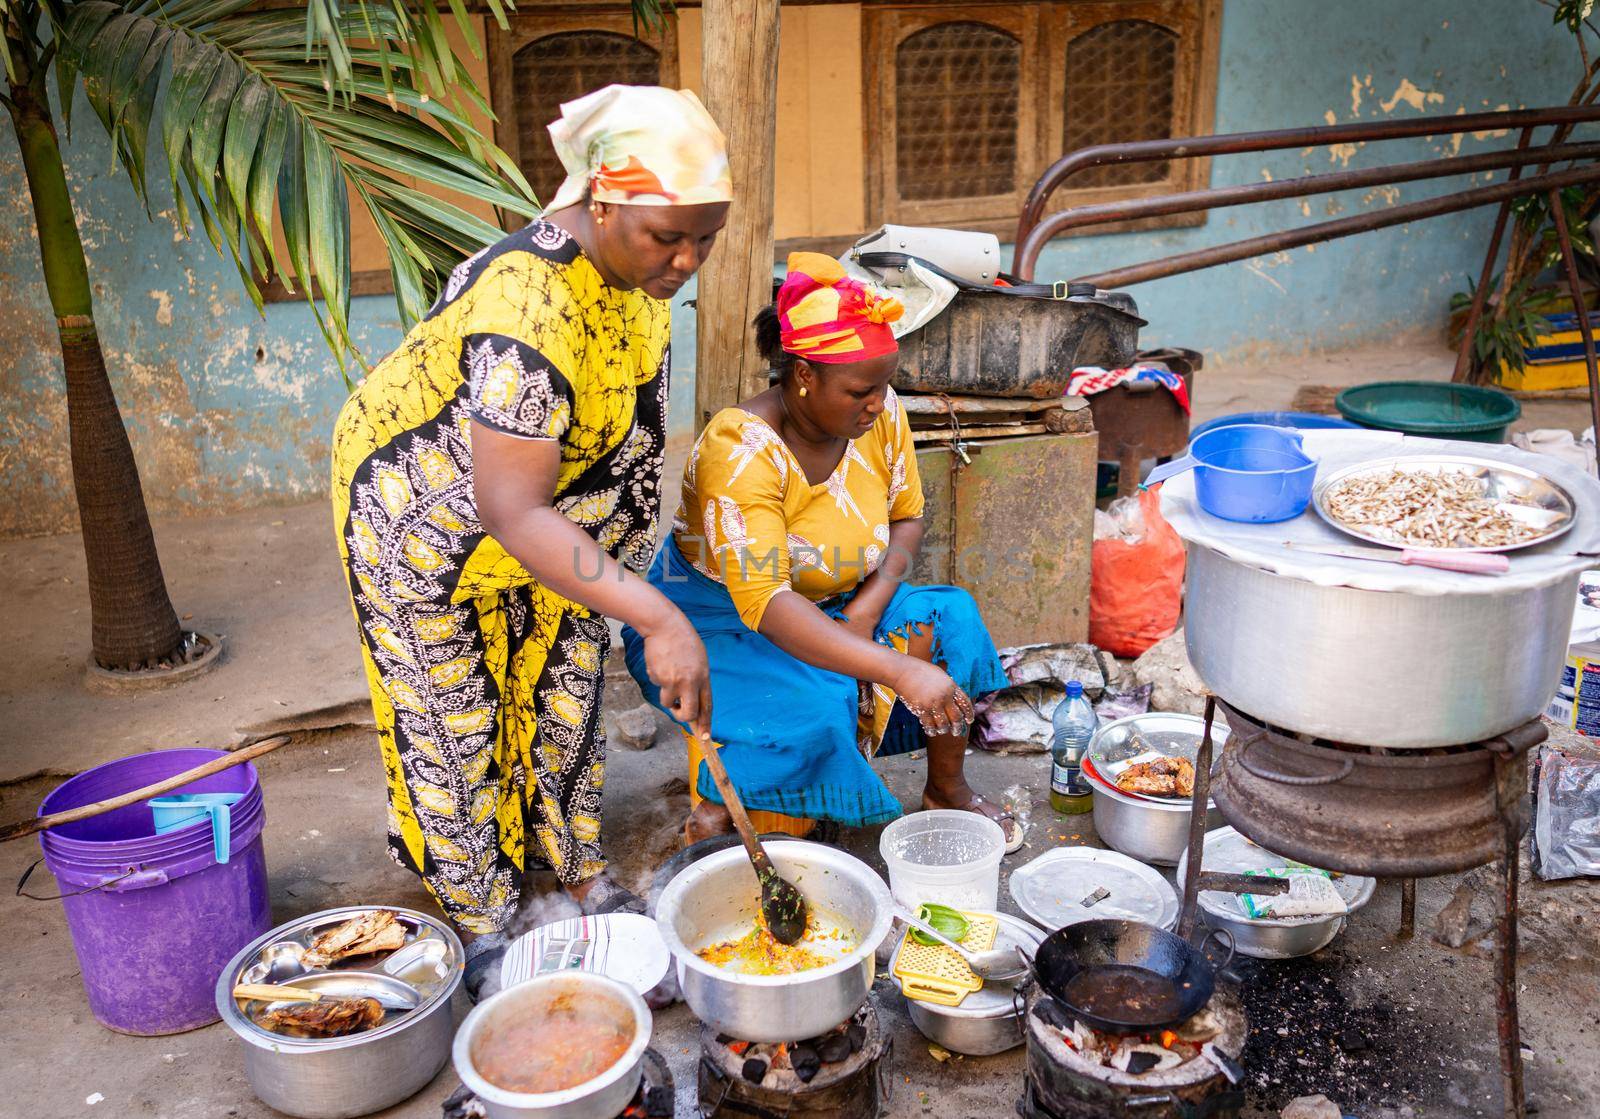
285, 113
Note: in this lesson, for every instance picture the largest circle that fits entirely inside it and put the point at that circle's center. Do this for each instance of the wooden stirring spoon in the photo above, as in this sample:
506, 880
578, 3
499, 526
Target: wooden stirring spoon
783, 906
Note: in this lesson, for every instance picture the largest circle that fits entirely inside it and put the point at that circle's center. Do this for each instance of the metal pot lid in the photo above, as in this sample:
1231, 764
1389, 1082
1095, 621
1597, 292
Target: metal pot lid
1154, 734
1527, 495
1228, 852
626, 947
992, 1000
1053, 889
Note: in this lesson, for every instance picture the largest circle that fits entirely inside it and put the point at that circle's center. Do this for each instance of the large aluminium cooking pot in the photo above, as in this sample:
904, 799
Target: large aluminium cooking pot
718, 897
1376, 668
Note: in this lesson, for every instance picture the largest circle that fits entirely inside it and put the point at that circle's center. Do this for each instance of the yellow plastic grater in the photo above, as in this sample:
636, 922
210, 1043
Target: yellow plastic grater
934, 973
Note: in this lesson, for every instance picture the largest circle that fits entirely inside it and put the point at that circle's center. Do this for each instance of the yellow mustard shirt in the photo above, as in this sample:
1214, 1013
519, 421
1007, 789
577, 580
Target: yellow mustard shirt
752, 521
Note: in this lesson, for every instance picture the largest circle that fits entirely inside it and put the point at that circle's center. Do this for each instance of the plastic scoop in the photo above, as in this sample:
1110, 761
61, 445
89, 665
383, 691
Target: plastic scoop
175, 812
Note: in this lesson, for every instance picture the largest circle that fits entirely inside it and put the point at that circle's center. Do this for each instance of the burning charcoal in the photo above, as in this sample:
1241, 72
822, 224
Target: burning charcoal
834, 1047
805, 1061
1051, 1014
754, 1070
1351, 1041
1141, 1062
856, 1034
659, 1101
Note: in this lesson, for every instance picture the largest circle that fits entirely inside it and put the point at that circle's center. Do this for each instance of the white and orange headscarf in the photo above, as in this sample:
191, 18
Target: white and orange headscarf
825, 316
640, 145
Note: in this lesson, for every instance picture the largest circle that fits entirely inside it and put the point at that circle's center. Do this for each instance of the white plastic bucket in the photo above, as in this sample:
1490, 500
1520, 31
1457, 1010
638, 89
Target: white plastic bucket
944, 855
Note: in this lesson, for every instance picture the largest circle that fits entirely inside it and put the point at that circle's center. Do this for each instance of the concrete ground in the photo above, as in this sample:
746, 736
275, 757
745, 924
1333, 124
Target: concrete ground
1420, 1018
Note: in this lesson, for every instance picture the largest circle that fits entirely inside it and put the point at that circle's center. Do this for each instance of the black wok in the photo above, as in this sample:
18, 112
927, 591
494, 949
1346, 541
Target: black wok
1126, 977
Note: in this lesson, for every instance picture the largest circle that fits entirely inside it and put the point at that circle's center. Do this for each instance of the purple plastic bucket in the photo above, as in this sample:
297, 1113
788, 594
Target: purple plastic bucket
155, 918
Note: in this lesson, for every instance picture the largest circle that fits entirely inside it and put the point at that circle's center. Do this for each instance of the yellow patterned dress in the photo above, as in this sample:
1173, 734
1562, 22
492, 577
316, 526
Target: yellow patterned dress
486, 686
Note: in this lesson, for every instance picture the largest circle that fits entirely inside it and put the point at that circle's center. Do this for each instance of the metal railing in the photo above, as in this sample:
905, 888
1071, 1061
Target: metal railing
1035, 229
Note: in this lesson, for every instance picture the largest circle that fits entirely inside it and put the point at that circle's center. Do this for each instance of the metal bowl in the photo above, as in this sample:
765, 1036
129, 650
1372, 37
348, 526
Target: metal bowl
1527, 495
717, 897
988, 1020
1268, 938
343, 1077
600, 1097
1150, 829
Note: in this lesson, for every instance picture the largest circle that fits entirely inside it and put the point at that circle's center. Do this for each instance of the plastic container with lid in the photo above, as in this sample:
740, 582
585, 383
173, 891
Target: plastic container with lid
944, 855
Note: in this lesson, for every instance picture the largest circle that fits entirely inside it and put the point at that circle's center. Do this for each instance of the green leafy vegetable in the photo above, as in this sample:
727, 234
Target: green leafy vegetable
948, 922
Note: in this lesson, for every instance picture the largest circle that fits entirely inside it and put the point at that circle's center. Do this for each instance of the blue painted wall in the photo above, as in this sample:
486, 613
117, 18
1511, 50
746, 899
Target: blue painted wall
228, 409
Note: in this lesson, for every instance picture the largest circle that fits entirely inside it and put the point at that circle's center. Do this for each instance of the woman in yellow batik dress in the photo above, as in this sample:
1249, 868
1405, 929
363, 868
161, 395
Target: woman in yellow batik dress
488, 477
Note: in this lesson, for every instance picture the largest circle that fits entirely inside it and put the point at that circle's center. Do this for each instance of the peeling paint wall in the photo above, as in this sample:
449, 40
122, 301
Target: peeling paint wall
227, 409
1287, 64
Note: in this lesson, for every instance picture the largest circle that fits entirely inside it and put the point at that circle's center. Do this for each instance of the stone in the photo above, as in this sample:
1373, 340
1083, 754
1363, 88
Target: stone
635, 729
1311, 1107
1177, 685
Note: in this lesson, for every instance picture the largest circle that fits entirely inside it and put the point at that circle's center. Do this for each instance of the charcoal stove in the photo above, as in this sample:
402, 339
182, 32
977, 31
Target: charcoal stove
1068, 1078
840, 1075
1365, 810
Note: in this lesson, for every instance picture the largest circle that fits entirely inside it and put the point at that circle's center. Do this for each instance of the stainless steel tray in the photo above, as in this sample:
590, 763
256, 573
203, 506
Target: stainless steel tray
1525, 494
410, 978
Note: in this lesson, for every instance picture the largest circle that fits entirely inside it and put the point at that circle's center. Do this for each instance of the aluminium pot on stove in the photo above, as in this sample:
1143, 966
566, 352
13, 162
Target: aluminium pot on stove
718, 897
1376, 668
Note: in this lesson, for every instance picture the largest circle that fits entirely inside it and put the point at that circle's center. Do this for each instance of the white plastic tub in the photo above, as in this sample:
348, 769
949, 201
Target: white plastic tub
946, 856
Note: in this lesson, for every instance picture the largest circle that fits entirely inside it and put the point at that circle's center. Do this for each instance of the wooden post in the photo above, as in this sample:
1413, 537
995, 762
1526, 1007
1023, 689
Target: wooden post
739, 43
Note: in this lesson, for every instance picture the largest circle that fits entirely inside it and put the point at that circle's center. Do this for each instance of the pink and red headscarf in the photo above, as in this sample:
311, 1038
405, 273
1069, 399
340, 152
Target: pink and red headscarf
825, 316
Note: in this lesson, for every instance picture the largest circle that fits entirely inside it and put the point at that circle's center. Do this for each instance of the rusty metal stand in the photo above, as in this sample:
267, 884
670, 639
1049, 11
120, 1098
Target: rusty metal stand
1511, 784
1199, 807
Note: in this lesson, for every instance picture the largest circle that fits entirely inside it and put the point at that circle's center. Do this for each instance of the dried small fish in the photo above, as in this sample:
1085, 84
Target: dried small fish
1426, 509
377, 931
328, 1017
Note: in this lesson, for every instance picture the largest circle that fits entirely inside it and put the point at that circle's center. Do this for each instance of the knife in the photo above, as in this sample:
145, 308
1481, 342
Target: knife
1473, 563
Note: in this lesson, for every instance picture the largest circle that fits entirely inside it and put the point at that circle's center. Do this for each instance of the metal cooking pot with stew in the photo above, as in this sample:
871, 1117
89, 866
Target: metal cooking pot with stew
717, 898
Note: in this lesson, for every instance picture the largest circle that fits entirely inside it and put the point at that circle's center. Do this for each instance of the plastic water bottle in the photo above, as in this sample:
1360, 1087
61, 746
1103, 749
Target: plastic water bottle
1072, 724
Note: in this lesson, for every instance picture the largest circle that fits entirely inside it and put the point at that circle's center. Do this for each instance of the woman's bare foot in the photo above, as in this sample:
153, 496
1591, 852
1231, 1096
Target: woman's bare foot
964, 799
708, 819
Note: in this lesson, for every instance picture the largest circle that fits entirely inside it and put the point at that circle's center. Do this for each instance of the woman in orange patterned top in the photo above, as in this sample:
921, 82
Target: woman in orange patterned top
800, 518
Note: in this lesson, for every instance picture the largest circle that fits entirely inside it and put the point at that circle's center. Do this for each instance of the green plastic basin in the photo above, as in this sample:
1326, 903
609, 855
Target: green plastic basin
1437, 408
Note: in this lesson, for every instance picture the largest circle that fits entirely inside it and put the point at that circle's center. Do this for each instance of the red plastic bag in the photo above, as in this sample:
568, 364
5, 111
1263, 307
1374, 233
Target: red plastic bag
1135, 577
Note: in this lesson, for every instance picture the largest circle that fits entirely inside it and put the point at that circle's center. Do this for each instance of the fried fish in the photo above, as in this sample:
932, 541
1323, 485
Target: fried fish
327, 1017
1159, 777
377, 931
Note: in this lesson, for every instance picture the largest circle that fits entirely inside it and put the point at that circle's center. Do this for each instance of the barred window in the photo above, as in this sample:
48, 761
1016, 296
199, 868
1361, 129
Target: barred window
967, 105
957, 87
563, 67
1120, 79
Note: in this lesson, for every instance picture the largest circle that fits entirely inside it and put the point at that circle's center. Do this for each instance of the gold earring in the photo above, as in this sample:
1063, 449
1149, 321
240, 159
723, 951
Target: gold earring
594, 212
802, 390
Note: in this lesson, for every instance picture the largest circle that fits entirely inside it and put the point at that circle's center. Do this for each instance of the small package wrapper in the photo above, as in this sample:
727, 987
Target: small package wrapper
1311, 894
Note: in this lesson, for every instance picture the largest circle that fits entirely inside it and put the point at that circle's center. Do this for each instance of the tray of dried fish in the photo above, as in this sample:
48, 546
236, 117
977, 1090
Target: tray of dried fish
1454, 502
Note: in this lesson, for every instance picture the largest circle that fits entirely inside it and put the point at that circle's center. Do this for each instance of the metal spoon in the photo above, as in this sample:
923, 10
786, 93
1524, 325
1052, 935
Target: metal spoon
783, 906
993, 965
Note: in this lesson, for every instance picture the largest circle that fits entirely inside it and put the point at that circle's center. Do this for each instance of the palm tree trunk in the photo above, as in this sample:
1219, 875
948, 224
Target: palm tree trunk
132, 620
